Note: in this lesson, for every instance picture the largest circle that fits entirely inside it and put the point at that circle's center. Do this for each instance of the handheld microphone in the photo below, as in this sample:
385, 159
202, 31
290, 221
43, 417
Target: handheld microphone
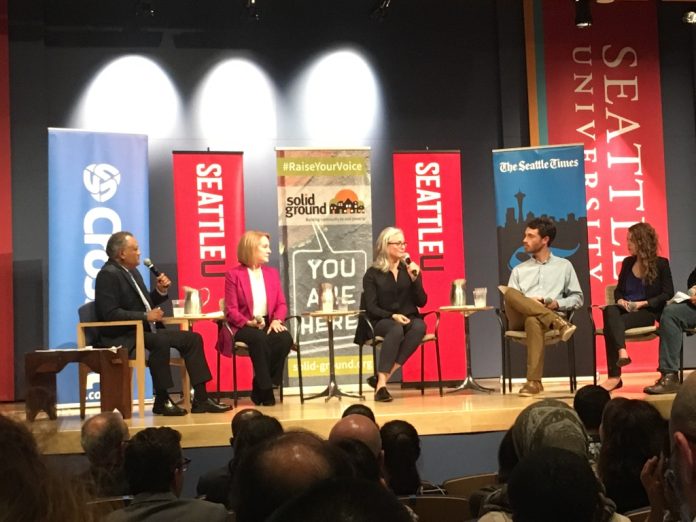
407, 260
148, 263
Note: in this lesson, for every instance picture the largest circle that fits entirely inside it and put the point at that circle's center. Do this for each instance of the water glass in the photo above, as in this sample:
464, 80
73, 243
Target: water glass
178, 307
480, 297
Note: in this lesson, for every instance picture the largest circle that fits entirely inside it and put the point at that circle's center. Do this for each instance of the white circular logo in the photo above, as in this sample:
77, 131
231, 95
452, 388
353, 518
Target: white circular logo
101, 181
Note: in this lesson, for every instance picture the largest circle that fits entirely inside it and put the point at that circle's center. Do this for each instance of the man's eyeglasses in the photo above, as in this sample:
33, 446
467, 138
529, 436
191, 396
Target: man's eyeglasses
184, 464
398, 243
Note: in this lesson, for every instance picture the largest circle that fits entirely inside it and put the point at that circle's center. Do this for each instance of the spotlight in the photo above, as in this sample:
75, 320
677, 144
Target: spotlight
380, 12
583, 16
689, 17
253, 11
144, 9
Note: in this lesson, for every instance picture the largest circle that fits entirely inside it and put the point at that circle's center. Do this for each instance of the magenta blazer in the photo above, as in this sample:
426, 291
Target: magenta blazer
239, 304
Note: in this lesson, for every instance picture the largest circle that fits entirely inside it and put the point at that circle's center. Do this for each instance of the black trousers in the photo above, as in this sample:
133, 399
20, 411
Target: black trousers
400, 341
189, 345
268, 352
616, 321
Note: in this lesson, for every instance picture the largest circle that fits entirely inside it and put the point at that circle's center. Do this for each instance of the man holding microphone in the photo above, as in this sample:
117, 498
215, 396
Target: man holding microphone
121, 295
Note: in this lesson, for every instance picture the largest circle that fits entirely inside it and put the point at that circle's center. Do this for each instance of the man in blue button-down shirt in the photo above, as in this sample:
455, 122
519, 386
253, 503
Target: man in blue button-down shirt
538, 289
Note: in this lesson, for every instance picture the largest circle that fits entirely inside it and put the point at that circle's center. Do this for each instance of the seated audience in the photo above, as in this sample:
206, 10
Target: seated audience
543, 424
359, 409
29, 490
507, 460
632, 432
401, 447
361, 459
643, 288
103, 437
276, 470
343, 500
360, 428
553, 485
155, 470
589, 404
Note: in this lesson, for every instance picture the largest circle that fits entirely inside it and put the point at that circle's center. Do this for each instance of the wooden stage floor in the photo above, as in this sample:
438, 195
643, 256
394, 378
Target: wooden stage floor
455, 413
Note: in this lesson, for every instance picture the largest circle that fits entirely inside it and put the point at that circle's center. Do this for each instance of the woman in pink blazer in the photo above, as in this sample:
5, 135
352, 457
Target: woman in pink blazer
255, 310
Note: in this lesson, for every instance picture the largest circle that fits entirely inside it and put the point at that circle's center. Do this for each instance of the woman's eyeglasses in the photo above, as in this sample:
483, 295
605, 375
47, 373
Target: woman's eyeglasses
398, 243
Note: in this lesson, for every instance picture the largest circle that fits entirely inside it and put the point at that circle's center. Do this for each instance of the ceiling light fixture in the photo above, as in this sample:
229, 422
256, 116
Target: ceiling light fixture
380, 12
583, 16
689, 17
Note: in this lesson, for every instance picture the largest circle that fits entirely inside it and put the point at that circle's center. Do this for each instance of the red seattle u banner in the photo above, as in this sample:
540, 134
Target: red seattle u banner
601, 86
209, 213
428, 208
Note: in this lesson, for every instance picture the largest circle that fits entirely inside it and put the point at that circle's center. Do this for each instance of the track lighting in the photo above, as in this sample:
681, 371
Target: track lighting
583, 16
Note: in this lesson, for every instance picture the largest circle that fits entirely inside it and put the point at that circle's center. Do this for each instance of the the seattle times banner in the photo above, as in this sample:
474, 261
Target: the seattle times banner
600, 86
209, 217
325, 221
97, 185
535, 182
428, 208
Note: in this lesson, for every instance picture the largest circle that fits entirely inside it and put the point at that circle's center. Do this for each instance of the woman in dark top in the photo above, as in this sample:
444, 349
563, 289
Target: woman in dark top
645, 285
393, 291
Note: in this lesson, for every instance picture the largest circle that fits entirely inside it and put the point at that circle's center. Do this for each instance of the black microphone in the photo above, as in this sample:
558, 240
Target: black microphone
407, 260
148, 263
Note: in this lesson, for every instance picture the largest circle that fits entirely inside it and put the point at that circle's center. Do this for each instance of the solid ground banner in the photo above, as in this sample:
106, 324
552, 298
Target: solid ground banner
209, 217
600, 86
428, 208
534, 182
97, 185
325, 221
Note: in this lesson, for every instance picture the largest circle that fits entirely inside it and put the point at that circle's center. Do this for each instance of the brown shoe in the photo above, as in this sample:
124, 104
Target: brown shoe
565, 329
531, 388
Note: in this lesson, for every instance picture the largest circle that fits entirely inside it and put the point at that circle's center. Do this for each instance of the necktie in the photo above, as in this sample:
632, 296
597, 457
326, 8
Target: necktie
153, 325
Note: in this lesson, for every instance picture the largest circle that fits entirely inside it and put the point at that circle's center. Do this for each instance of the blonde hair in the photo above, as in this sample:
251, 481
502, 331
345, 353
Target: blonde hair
249, 242
381, 261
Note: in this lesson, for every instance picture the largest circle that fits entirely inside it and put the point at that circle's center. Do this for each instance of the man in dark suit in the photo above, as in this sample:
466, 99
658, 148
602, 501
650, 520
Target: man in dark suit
121, 295
155, 470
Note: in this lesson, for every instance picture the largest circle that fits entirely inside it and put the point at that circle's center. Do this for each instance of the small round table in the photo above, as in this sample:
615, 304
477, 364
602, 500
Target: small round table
469, 382
332, 389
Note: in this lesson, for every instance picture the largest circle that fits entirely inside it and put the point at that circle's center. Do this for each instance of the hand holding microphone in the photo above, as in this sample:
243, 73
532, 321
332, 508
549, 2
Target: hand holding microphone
163, 282
413, 268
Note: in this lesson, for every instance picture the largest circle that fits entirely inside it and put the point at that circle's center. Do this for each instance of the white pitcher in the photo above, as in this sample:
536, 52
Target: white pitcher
192, 301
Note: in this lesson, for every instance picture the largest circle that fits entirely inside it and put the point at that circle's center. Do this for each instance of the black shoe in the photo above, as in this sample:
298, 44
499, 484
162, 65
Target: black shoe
372, 381
256, 396
383, 395
623, 361
615, 387
209, 406
668, 383
268, 397
165, 406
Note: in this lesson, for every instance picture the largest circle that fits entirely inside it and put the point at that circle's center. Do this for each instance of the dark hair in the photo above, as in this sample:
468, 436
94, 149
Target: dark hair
276, 470
151, 458
102, 438
632, 432
401, 445
343, 500
545, 226
254, 431
552, 484
360, 458
116, 243
359, 409
589, 403
507, 457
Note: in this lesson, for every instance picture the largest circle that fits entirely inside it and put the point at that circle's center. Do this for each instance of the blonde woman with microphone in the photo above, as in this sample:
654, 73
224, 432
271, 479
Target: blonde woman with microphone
393, 292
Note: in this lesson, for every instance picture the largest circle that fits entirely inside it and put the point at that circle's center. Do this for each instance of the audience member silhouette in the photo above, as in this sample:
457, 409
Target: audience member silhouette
102, 438
360, 409
358, 427
589, 403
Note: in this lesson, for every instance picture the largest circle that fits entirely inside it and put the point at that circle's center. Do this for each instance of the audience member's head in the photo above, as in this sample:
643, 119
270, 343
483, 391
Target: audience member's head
682, 429
153, 461
549, 423
239, 420
360, 409
360, 458
276, 470
102, 439
401, 446
632, 432
256, 430
589, 403
360, 428
507, 458
29, 490
343, 500
553, 484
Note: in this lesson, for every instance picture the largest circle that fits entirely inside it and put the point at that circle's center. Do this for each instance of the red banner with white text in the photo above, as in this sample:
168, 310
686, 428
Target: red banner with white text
428, 208
209, 216
601, 86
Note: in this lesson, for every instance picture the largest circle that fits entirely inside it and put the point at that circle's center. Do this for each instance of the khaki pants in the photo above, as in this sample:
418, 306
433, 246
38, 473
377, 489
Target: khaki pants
535, 319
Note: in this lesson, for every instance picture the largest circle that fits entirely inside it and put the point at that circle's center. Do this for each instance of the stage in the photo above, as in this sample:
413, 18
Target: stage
455, 413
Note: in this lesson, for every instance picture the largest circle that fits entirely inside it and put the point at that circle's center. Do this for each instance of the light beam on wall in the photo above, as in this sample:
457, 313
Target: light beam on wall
236, 106
340, 100
130, 94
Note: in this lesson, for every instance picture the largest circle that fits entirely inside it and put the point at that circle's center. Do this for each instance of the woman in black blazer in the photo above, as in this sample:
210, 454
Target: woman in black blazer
645, 285
392, 292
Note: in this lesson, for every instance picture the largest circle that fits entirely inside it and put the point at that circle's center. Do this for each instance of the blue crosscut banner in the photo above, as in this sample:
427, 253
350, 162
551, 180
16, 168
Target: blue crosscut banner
97, 185
543, 181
